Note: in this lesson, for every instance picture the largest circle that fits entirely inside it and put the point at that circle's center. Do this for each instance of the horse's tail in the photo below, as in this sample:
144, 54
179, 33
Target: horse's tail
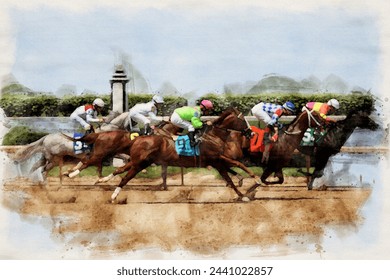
26, 152
41, 162
89, 138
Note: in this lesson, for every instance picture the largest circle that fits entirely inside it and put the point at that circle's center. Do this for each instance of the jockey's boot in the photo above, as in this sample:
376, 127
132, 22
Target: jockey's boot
148, 130
191, 135
265, 157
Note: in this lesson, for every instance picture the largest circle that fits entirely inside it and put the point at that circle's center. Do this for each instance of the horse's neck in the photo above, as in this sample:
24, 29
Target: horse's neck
337, 136
291, 139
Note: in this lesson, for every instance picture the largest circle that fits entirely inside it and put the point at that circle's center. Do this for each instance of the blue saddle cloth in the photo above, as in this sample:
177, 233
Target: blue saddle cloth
80, 147
184, 148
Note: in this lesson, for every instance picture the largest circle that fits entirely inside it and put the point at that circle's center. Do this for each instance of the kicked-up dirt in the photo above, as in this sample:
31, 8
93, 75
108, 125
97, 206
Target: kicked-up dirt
203, 217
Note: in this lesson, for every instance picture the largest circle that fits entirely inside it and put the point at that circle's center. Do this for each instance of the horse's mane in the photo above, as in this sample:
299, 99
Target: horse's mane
224, 114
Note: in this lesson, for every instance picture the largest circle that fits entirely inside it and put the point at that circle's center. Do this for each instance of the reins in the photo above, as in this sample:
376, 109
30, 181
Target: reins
309, 118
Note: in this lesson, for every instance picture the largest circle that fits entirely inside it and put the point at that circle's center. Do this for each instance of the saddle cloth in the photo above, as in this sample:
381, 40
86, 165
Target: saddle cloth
80, 147
313, 137
184, 148
256, 142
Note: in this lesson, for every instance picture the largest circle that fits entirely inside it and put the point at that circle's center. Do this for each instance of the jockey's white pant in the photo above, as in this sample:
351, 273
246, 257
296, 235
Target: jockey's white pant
261, 115
176, 120
138, 118
77, 121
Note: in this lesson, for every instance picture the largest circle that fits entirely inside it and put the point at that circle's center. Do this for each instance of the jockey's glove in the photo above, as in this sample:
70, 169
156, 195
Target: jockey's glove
87, 127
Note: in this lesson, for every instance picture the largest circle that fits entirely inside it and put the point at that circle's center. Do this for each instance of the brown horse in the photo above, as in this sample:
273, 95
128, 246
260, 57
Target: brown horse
282, 151
110, 143
160, 149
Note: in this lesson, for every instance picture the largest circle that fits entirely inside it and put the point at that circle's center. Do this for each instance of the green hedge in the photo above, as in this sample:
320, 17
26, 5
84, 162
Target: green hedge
16, 105
20, 105
21, 135
244, 103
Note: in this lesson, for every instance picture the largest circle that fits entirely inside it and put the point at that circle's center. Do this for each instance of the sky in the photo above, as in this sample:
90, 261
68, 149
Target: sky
197, 46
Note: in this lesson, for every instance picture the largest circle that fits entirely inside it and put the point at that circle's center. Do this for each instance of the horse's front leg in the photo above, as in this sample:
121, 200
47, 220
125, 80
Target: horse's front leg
236, 163
118, 171
134, 170
239, 176
266, 173
223, 171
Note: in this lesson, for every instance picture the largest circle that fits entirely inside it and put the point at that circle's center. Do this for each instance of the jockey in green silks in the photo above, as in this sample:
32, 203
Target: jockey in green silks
189, 118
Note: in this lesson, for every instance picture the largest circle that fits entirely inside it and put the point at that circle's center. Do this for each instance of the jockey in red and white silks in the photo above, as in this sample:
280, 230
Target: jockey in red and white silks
87, 114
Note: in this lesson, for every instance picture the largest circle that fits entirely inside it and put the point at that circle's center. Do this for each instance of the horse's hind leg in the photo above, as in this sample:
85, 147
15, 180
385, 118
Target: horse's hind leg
266, 173
279, 175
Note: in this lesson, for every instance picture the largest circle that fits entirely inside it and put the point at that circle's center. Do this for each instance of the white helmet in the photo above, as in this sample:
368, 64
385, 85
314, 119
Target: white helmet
334, 103
158, 99
98, 102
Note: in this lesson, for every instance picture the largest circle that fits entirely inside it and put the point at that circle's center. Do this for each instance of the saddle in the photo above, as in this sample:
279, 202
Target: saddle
257, 140
313, 137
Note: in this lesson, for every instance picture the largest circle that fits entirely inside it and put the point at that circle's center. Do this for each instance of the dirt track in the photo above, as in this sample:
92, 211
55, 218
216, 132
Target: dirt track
203, 218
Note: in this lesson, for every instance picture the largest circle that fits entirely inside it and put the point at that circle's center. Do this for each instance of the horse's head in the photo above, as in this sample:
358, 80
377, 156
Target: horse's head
232, 119
361, 119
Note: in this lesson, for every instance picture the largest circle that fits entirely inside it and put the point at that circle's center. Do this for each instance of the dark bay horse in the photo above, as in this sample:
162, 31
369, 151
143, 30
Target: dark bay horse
160, 149
282, 151
337, 134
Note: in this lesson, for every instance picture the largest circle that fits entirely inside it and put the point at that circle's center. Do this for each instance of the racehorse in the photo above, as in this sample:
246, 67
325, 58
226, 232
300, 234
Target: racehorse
336, 136
282, 151
55, 148
160, 149
110, 143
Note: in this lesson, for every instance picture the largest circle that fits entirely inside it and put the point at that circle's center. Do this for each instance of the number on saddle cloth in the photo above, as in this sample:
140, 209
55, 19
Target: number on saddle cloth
80, 147
313, 137
184, 148
256, 142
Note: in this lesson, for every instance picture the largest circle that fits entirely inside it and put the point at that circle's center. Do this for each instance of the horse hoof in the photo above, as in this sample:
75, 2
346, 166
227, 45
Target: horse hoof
245, 199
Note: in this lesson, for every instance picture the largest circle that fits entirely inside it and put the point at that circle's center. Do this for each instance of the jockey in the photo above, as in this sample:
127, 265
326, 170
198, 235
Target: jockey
189, 118
87, 114
269, 114
324, 108
145, 113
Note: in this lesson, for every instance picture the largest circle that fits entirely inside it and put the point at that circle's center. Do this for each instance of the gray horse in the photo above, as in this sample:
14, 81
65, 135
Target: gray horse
55, 149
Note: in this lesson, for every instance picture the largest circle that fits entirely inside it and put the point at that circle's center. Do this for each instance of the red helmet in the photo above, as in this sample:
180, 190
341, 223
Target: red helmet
207, 104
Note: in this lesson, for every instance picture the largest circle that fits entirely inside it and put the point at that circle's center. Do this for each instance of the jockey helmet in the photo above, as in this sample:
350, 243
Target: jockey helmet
289, 106
98, 102
207, 104
334, 103
158, 99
